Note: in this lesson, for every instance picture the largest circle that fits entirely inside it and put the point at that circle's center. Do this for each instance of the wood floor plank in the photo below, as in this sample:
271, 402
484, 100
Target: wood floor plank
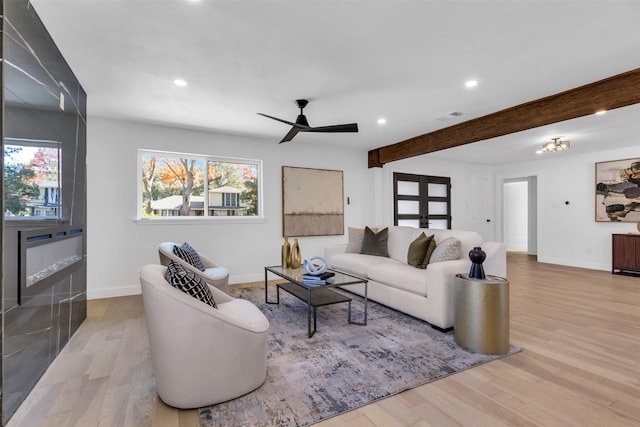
580, 330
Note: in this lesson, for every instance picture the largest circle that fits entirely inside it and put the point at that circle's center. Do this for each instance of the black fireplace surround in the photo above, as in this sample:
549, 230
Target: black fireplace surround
44, 275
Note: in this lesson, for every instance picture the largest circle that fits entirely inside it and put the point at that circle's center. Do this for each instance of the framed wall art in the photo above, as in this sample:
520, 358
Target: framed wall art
312, 202
617, 190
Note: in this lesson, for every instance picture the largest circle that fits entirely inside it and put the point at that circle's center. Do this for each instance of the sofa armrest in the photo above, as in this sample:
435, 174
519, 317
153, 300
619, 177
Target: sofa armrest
331, 251
440, 290
496, 262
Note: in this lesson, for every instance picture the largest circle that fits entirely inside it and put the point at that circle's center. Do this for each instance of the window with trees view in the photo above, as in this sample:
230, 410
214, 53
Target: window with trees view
31, 179
179, 185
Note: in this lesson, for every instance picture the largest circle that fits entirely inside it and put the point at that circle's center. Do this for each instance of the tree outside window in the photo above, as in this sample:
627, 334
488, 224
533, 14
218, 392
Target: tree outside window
174, 184
32, 179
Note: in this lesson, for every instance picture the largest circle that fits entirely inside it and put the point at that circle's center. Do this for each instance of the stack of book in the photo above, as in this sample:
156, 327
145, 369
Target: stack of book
321, 279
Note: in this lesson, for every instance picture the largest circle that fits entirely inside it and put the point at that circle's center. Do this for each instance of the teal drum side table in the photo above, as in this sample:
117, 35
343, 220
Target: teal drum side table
481, 314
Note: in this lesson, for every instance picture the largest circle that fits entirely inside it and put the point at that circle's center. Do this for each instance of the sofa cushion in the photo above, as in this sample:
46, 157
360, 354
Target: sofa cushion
356, 264
446, 250
242, 311
375, 243
400, 237
418, 250
399, 275
356, 235
216, 273
189, 283
190, 255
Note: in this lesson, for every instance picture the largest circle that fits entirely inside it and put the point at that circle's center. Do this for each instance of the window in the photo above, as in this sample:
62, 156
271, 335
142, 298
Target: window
422, 201
230, 199
32, 183
191, 185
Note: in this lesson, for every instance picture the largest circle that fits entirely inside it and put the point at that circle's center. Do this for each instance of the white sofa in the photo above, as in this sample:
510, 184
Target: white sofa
423, 293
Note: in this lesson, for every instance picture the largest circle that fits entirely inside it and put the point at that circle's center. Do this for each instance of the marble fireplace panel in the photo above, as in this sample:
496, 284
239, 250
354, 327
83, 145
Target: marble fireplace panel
41, 100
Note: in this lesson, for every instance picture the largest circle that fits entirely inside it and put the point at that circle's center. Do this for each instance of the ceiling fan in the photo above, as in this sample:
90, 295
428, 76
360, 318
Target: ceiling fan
302, 125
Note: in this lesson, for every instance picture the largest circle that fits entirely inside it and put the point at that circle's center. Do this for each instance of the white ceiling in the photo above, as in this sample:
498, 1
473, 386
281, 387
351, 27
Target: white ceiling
356, 61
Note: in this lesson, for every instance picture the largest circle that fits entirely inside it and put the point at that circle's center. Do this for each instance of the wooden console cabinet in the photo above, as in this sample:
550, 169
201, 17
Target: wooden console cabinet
625, 253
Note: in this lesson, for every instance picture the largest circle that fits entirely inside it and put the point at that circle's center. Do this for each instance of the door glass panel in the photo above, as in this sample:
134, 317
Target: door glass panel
408, 207
437, 208
409, 223
438, 224
408, 188
437, 190
421, 200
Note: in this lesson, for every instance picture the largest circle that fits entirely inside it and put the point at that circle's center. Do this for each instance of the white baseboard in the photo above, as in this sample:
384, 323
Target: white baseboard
574, 263
247, 278
113, 292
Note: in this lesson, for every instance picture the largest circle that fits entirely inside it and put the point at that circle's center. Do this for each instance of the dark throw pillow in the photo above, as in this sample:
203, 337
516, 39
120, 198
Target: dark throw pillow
190, 255
430, 248
189, 283
356, 235
375, 243
417, 251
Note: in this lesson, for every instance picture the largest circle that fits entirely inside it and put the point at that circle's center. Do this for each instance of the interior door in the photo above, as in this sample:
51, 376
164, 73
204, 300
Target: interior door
422, 201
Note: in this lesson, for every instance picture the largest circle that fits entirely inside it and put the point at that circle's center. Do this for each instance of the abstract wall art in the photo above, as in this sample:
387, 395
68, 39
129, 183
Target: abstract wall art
618, 191
312, 202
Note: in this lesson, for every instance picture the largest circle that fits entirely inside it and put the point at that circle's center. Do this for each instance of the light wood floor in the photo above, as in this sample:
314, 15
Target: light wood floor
580, 330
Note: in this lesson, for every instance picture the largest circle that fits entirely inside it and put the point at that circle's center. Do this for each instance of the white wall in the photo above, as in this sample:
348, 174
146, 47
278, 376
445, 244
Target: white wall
464, 188
567, 232
117, 245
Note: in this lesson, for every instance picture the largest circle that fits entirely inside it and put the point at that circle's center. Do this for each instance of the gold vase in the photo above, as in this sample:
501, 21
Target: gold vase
286, 253
296, 257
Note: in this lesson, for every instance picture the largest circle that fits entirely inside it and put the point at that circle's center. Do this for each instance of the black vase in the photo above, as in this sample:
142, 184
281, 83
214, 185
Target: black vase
477, 257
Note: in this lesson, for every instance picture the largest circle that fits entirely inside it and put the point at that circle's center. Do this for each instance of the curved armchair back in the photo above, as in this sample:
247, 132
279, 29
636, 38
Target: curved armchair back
214, 274
202, 355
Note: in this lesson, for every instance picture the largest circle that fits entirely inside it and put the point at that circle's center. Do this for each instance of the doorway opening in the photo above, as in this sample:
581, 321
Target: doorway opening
520, 220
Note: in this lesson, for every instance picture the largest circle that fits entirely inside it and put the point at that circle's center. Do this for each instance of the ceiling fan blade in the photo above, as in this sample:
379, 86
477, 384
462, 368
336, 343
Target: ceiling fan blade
351, 127
280, 120
289, 136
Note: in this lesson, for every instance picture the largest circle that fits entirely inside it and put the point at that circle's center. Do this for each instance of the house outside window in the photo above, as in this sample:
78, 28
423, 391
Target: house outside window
189, 185
32, 185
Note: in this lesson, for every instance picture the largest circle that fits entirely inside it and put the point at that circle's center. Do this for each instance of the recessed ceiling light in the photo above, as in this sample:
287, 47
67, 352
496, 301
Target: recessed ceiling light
601, 112
179, 82
471, 83
382, 121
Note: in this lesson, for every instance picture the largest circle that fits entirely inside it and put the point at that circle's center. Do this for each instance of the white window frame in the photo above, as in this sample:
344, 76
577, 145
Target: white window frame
141, 219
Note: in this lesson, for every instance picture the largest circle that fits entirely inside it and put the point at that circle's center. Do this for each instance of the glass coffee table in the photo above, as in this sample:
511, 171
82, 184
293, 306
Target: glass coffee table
314, 295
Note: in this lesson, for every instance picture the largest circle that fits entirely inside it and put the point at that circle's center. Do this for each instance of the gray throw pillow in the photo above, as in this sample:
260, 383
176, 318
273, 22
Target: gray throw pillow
375, 243
447, 250
430, 248
356, 235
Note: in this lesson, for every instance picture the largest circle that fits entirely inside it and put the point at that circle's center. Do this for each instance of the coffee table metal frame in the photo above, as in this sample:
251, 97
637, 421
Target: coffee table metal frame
314, 295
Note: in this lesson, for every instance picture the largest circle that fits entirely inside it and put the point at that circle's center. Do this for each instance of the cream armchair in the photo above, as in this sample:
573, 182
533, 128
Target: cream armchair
213, 274
202, 355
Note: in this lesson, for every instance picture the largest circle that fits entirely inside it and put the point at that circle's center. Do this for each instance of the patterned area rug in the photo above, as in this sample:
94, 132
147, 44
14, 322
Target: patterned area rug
342, 367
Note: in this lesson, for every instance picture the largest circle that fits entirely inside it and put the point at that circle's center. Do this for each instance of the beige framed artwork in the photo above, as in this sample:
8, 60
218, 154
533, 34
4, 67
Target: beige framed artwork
312, 202
618, 191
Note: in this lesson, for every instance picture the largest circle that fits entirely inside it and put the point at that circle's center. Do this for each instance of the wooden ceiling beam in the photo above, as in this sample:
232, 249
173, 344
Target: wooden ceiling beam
607, 94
